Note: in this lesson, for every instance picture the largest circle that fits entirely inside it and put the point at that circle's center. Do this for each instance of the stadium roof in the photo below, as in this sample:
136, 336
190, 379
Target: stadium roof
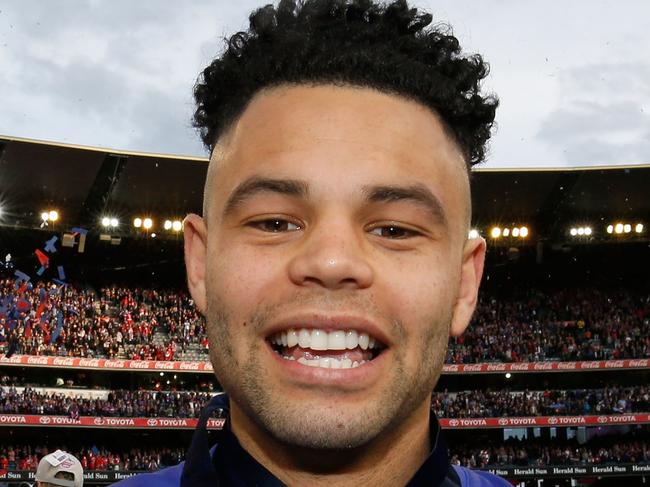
85, 182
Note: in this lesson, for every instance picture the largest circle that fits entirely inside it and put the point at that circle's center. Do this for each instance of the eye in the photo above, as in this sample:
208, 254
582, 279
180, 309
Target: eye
393, 232
274, 225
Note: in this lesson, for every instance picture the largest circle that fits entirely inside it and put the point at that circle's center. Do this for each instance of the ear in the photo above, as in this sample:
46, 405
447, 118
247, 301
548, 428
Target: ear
196, 245
470, 279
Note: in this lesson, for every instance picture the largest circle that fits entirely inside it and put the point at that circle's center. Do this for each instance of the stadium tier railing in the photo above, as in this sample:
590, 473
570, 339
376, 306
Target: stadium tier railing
206, 367
90, 477
519, 473
104, 422
217, 423
572, 471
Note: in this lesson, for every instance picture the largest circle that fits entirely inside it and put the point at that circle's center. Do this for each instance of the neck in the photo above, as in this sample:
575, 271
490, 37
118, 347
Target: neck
390, 459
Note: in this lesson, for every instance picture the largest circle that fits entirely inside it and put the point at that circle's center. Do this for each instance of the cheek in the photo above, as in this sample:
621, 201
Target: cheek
423, 290
243, 279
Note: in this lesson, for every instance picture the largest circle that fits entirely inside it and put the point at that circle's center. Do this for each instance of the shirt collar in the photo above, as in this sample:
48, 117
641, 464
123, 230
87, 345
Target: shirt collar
236, 467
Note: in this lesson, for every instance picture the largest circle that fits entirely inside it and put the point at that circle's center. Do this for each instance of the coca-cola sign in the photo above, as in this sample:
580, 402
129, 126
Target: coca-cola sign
38, 360
65, 362
543, 366
89, 362
520, 366
473, 367
566, 365
165, 365
638, 363
496, 367
16, 359
139, 364
114, 364
189, 366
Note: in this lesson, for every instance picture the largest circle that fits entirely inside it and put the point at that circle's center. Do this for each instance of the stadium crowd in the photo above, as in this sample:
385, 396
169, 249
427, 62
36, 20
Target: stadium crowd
497, 404
565, 324
119, 403
26, 457
135, 323
512, 453
466, 404
40, 319
523, 453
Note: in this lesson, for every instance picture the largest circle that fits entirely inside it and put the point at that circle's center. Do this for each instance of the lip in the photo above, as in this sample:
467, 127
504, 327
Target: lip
357, 378
329, 323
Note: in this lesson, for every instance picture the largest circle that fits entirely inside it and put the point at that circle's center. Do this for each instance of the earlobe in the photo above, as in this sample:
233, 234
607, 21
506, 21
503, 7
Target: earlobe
195, 237
470, 279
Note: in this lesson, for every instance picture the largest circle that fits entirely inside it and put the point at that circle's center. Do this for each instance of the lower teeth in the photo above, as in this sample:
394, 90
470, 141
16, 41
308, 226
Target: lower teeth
328, 363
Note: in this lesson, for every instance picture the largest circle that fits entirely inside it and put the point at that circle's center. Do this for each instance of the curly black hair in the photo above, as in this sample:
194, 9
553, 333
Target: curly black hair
391, 48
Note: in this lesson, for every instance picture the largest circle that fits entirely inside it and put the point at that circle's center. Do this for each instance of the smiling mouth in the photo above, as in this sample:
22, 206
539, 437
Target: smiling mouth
313, 347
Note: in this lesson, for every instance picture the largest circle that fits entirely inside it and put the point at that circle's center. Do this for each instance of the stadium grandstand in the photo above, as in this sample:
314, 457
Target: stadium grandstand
103, 354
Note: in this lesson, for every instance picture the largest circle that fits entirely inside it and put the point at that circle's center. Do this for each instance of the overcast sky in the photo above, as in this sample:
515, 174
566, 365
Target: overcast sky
573, 76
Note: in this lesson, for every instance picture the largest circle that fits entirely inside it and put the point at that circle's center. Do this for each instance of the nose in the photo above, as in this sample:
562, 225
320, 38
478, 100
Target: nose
332, 257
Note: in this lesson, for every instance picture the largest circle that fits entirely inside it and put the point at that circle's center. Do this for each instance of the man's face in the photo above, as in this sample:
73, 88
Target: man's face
337, 217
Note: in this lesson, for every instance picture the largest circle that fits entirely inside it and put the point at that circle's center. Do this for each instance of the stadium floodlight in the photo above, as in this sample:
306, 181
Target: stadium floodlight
167, 225
54, 215
627, 228
515, 232
106, 221
638, 228
523, 232
114, 222
45, 216
137, 222
495, 232
610, 228
618, 228
147, 223
580, 231
177, 225
505, 232
473, 233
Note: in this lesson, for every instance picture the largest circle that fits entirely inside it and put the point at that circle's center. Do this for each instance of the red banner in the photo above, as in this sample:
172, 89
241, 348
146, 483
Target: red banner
190, 423
206, 367
522, 422
105, 422
492, 368
106, 364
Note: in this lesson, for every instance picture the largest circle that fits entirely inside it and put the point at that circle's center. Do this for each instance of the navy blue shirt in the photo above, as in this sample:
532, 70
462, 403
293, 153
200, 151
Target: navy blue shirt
228, 464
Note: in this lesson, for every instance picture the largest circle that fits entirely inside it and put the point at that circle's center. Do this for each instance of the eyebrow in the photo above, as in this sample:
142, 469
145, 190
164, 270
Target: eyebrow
416, 193
255, 185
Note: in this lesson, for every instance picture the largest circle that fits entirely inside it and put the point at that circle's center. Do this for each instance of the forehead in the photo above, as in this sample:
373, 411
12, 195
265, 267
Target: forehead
339, 112
361, 134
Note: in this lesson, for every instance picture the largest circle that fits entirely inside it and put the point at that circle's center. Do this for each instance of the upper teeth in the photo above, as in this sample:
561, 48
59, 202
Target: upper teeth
317, 339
